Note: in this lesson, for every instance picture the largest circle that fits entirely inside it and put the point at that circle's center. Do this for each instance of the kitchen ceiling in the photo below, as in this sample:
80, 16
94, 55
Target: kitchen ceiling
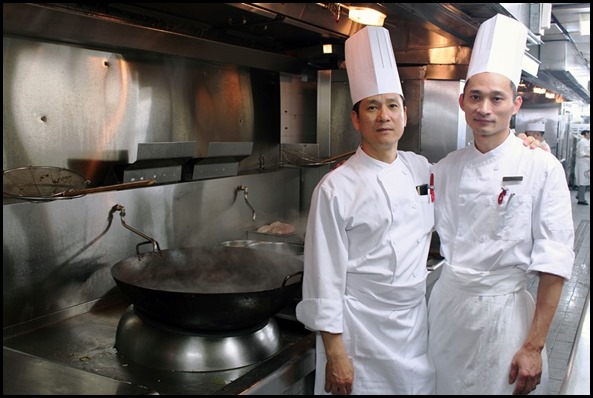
564, 52
295, 32
300, 29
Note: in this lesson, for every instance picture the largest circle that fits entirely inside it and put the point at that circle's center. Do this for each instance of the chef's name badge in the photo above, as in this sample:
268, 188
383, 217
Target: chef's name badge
422, 189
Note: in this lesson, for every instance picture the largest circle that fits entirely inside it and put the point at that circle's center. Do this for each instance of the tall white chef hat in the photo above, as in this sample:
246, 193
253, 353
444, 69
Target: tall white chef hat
499, 47
370, 64
536, 126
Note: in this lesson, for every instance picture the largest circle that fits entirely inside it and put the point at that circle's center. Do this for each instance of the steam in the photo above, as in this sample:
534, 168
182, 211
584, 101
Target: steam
209, 270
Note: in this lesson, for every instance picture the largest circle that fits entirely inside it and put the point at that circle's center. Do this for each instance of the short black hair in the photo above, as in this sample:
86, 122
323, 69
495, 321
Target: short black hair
583, 132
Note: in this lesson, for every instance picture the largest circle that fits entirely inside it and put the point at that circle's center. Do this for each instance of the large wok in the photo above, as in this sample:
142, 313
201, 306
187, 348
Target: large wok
210, 289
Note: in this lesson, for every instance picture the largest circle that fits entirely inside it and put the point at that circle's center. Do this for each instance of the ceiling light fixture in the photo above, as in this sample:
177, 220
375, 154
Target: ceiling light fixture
366, 13
585, 24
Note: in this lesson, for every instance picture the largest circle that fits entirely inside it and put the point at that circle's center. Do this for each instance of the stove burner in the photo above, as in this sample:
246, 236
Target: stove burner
147, 343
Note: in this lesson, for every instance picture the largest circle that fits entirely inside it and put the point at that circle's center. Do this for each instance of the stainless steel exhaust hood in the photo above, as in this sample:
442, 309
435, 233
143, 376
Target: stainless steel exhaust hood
288, 37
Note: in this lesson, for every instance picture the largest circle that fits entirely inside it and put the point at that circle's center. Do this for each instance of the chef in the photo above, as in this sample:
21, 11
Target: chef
537, 130
503, 216
366, 243
582, 169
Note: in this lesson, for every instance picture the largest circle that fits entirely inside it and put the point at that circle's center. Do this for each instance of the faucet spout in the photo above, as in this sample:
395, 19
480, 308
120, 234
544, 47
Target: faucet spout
245, 191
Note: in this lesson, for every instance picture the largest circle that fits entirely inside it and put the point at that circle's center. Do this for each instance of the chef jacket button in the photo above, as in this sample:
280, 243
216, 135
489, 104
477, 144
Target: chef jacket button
486, 202
414, 205
482, 239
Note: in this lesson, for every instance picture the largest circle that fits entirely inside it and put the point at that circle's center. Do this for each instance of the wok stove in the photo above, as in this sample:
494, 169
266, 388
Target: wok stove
115, 350
180, 349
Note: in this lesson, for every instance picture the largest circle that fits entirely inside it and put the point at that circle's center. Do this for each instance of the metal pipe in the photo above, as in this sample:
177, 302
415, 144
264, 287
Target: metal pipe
122, 212
245, 191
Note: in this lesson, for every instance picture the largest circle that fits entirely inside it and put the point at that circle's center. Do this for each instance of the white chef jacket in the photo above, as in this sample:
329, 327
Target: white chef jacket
479, 309
582, 169
366, 244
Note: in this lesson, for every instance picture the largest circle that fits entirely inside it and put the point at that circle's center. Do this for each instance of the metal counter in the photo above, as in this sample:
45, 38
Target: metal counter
77, 356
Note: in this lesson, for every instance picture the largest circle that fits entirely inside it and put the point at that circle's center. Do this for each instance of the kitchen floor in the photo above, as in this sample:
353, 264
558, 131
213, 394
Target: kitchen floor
562, 335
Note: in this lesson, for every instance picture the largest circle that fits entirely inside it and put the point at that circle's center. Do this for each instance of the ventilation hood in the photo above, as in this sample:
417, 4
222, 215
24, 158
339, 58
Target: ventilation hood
285, 37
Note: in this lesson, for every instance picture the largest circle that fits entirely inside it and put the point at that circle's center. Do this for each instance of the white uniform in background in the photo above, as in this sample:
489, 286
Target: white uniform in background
366, 246
479, 309
582, 169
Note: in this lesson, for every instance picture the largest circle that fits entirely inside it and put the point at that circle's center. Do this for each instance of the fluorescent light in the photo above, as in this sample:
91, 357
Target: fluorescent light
366, 15
327, 49
539, 90
550, 95
530, 64
585, 24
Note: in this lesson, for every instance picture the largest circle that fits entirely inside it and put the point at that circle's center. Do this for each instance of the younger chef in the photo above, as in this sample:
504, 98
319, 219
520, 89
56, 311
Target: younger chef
503, 215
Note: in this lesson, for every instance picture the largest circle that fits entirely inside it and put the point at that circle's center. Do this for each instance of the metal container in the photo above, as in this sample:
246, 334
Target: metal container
287, 248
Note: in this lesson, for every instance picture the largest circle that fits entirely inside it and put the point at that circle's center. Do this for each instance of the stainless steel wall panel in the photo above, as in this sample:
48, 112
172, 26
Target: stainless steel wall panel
58, 255
88, 110
443, 123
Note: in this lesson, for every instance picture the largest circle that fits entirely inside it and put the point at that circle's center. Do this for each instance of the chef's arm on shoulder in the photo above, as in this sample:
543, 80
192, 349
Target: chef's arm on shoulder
529, 141
339, 372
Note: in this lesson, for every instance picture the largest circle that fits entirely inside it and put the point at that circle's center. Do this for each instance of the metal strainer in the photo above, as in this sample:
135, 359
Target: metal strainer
41, 183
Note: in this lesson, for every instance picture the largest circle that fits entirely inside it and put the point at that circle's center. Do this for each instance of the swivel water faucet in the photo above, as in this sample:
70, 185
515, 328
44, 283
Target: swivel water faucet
122, 213
245, 191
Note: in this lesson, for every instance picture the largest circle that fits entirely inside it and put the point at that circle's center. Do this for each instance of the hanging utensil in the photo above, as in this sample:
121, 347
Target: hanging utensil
47, 183
299, 159
115, 187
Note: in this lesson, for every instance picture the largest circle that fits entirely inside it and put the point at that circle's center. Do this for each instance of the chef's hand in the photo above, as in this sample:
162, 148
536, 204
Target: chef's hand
339, 374
526, 369
529, 141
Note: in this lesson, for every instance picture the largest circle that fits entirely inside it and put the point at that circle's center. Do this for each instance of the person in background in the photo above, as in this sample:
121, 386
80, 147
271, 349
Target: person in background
537, 130
503, 216
366, 243
582, 168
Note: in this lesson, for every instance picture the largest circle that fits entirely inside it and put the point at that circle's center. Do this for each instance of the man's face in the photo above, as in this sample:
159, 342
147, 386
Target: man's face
489, 103
381, 120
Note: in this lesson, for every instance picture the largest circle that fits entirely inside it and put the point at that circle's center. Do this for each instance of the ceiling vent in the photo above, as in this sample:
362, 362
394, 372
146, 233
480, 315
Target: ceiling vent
559, 59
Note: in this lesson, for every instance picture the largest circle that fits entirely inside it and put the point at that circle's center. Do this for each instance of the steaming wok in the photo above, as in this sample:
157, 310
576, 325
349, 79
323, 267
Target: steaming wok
210, 289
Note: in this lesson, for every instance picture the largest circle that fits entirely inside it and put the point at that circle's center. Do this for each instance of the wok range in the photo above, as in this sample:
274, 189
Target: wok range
209, 289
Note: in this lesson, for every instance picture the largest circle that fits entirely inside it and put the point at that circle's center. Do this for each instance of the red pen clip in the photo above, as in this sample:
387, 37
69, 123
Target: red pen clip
431, 187
502, 194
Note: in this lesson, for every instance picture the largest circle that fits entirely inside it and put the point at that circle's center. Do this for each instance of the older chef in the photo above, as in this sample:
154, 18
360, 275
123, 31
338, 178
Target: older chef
366, 244
503, 215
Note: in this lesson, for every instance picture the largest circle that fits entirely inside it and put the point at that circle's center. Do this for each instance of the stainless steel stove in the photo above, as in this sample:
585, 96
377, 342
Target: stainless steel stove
101, 352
